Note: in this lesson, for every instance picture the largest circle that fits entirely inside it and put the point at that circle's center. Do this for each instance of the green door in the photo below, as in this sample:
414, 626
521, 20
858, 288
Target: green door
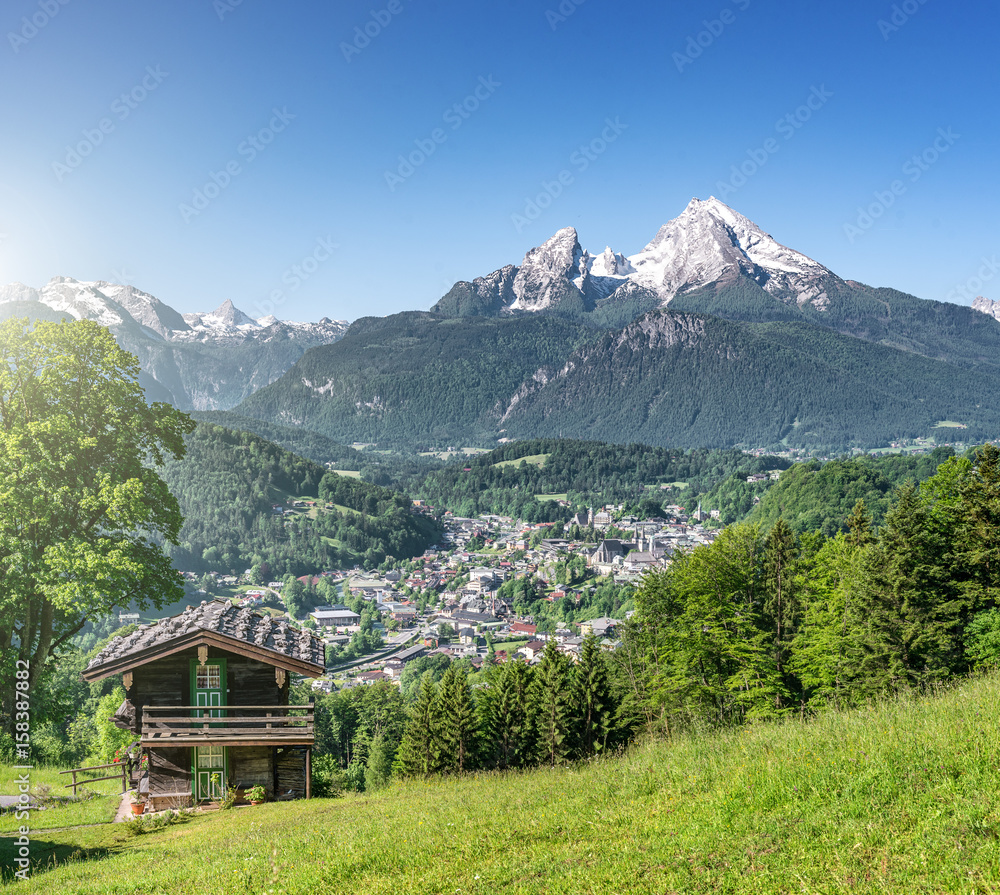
208, 687
208, 694
209, 773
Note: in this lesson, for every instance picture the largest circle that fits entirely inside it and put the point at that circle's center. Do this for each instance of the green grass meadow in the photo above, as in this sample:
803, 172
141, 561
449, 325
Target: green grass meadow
94, 803
901, 797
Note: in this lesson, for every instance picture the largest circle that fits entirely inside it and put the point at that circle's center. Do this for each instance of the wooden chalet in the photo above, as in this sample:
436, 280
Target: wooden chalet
207, 698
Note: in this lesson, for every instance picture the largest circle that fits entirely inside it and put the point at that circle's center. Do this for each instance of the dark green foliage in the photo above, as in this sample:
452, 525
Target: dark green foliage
781, 602
457, 733
228, 484
590, 473
910, 602
415, 379
413, 674
873, 366
934, 329
420, 751
818, 496
740, 629
743, 300
683, 379
381, 469
299, 441
593, 705
504, 716
550, 707
360, 728
982, 639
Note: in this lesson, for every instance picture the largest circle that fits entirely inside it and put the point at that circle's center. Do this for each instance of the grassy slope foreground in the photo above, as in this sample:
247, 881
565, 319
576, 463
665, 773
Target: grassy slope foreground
896, 798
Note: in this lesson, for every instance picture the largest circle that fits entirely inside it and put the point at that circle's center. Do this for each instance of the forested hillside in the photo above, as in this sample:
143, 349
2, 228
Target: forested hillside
688, 380
938, 330
509, 480
229, 483
414, 380
818, 496
378, 467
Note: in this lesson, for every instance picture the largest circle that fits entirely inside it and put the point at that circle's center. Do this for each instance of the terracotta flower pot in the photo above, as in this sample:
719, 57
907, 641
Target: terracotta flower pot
138, 807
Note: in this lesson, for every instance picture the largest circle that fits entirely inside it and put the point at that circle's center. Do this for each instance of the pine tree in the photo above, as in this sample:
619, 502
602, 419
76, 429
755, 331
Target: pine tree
550, 707
781, 608
457, 731
592, 700
859, 524
977, 553
504, 717
419, 751
911, 607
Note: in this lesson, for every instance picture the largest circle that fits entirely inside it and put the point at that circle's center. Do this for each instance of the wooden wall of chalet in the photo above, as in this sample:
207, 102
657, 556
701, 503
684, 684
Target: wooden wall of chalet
167, 681
253, 683
290, 772
170, 772
249, 765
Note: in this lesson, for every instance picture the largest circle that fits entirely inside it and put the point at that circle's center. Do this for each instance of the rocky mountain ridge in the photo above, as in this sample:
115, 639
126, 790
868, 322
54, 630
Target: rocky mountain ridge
709, 245
205, 361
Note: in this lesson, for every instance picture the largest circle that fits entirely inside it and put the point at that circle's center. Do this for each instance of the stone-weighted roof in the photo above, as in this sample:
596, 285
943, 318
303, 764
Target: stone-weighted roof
218, 617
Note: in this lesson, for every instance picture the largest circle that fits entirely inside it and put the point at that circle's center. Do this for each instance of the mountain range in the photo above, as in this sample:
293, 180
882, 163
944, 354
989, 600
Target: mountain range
712, 335
708, 246
207, 361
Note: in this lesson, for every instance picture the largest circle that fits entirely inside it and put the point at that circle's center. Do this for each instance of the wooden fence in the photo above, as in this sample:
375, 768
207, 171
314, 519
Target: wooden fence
120, 765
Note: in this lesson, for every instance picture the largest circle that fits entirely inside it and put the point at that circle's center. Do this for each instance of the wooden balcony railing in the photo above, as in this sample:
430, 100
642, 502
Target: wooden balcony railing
244, 725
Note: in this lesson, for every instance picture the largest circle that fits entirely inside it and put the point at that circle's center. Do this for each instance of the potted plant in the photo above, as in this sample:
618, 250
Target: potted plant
255, 794
138, 801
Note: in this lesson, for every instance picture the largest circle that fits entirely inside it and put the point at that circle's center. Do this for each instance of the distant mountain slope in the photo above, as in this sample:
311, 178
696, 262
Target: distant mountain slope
194, 361
415, 379
372, 466
671, 379
687, 380
310, 445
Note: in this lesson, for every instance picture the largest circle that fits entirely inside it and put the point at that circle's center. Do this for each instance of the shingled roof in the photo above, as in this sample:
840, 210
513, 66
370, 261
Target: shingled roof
214, 622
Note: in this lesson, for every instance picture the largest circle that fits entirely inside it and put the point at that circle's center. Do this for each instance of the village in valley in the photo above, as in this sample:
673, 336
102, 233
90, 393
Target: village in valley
495, 589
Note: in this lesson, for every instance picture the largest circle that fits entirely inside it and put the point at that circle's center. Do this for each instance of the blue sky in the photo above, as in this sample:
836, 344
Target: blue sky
211, 149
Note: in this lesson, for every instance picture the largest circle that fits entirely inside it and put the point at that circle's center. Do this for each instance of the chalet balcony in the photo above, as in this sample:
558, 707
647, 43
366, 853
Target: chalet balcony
231, 725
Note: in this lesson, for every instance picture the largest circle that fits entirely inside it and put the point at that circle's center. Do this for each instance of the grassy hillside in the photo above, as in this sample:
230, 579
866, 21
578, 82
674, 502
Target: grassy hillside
895, 798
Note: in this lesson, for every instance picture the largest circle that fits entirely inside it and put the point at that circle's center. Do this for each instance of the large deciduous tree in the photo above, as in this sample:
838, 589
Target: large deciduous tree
84, 513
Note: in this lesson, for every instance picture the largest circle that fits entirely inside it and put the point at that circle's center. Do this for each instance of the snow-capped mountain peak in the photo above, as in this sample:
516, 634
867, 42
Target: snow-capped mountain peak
120, 307
708, 245
544, 271
711, 243
178, 353
986, 306
227, 316
610, 264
